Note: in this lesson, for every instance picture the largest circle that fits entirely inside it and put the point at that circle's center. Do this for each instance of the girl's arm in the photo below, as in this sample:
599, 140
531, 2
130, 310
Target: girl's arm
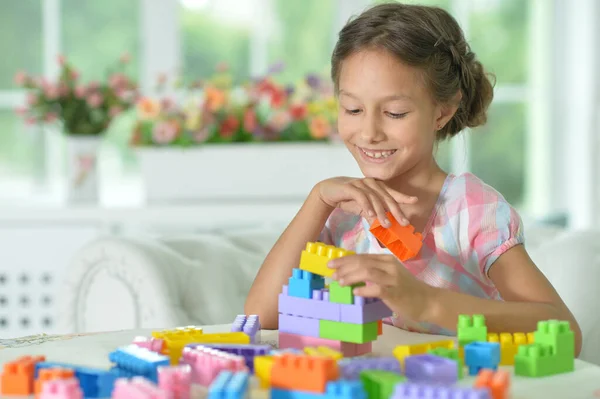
306, 226
528, 298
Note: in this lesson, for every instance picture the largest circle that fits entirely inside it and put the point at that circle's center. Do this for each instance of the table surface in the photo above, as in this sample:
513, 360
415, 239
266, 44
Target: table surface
92, 350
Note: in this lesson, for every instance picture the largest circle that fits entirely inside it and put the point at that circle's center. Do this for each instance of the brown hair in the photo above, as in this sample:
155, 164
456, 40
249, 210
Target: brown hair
428, 38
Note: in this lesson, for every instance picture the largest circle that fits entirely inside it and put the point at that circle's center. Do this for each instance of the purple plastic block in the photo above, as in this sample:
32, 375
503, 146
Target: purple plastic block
363, 312
350, 369
247, 351
249, 325
300, 325
430, 369
318, 307
422, 391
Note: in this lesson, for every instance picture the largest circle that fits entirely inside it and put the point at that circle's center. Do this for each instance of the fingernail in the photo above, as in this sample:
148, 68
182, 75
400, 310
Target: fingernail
334, 275
371, 213
386, 222
341, 282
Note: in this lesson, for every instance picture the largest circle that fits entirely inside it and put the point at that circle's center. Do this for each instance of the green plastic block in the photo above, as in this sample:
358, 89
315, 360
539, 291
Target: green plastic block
348, 332
380, 384
471, 329
343, 295
451, 354
552, 353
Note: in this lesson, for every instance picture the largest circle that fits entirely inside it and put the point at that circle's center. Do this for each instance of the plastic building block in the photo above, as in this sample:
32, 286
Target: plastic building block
175, 340
315, 257
61, 389
249, 325
348, 349
380, 384
247, 351
348, 332
153, 344
303, 373
421, 391
402, 351
299, 325
339, 294
137, 387
46, 375
333, 390
482, 355
509, 344
88, 377
140, 361
430, 369
451, 354
350, 369
303, 283
552, 353
471, 329
18, 375
402, 241
498, 382
207, 363
362, 310
323, 351
262, 370
176, 380
380, 327
229, 385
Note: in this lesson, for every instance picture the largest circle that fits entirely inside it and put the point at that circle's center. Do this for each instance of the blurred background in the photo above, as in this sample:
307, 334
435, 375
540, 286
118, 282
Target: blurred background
204, 114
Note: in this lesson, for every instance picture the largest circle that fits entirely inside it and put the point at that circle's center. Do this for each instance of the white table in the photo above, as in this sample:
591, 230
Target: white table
92, 350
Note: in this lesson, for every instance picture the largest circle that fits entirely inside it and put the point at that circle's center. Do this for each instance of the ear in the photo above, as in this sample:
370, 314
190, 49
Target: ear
446, 111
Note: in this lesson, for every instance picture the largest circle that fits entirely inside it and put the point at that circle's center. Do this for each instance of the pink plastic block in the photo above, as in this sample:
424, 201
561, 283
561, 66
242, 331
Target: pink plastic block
207, 363
61, 389
299, 325
176, 380
137, 388
348, 349
153, 344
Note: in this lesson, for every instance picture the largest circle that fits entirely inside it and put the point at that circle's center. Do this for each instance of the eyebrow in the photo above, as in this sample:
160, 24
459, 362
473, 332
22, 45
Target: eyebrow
386, 98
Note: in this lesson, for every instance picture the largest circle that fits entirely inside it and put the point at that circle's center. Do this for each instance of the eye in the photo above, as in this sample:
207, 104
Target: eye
396, 116
353, 111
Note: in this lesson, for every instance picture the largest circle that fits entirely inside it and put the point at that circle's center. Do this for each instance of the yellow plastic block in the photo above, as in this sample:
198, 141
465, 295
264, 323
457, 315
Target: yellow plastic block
403, 351
315, 257
509, 345
262, 370
323, 351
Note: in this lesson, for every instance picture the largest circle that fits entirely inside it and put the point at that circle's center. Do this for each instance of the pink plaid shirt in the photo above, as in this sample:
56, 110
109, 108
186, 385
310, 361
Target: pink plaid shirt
470, 227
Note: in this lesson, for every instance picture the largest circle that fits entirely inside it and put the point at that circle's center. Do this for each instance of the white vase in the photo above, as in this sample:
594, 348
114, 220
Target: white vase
82, 168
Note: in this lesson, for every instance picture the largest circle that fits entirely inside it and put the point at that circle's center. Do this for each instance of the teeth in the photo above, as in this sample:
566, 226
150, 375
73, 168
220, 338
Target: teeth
379, 154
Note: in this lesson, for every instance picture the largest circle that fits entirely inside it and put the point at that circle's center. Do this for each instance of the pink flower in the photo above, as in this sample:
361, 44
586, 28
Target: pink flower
32, 99
125, 58
117, 81
21, 111
79, 91
95, 100
166, 104
51, 117
74, 74
165, 132
21, 78
61, 59
114, 111
279, 121
51, 92
93, 85
31, 120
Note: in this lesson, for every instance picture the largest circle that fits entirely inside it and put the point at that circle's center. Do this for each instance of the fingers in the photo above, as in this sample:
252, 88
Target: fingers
390, 203
361, 268
370, 291
377, 202
399, 197
361, 197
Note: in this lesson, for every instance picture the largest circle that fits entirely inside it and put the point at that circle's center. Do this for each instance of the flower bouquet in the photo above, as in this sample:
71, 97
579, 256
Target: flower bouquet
261, 110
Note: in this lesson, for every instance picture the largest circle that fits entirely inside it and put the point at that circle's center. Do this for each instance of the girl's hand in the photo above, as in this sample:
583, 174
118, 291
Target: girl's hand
367, 197
387, 280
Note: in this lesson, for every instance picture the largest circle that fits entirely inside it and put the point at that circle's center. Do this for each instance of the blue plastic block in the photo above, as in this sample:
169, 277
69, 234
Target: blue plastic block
229, 385
482, 355
345, 390
139, 361
286, 394
87, 377
303, 283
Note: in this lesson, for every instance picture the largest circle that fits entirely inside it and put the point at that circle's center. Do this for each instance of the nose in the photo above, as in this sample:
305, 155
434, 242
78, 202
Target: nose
371, 130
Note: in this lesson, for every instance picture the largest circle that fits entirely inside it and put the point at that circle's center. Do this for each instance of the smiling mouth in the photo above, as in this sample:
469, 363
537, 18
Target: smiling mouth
375, 155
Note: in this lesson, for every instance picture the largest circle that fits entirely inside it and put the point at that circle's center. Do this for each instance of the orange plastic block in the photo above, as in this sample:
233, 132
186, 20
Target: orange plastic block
380, 327
509, 345
46, 375
402, 241
498, 382
303, 373
17, 376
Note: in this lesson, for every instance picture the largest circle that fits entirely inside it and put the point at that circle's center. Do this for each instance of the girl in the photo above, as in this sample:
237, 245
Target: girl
406, 79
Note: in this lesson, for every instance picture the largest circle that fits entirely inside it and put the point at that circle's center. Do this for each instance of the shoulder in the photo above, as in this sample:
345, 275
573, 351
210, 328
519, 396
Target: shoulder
467, 190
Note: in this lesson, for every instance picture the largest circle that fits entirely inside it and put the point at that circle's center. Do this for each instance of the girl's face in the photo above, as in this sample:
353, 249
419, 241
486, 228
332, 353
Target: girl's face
386, 117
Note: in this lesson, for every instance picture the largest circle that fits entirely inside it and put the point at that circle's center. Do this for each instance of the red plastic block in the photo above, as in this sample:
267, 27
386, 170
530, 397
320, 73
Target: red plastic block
348, 349
402, 241
498, 382
303, 373
380, 327
17, 376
